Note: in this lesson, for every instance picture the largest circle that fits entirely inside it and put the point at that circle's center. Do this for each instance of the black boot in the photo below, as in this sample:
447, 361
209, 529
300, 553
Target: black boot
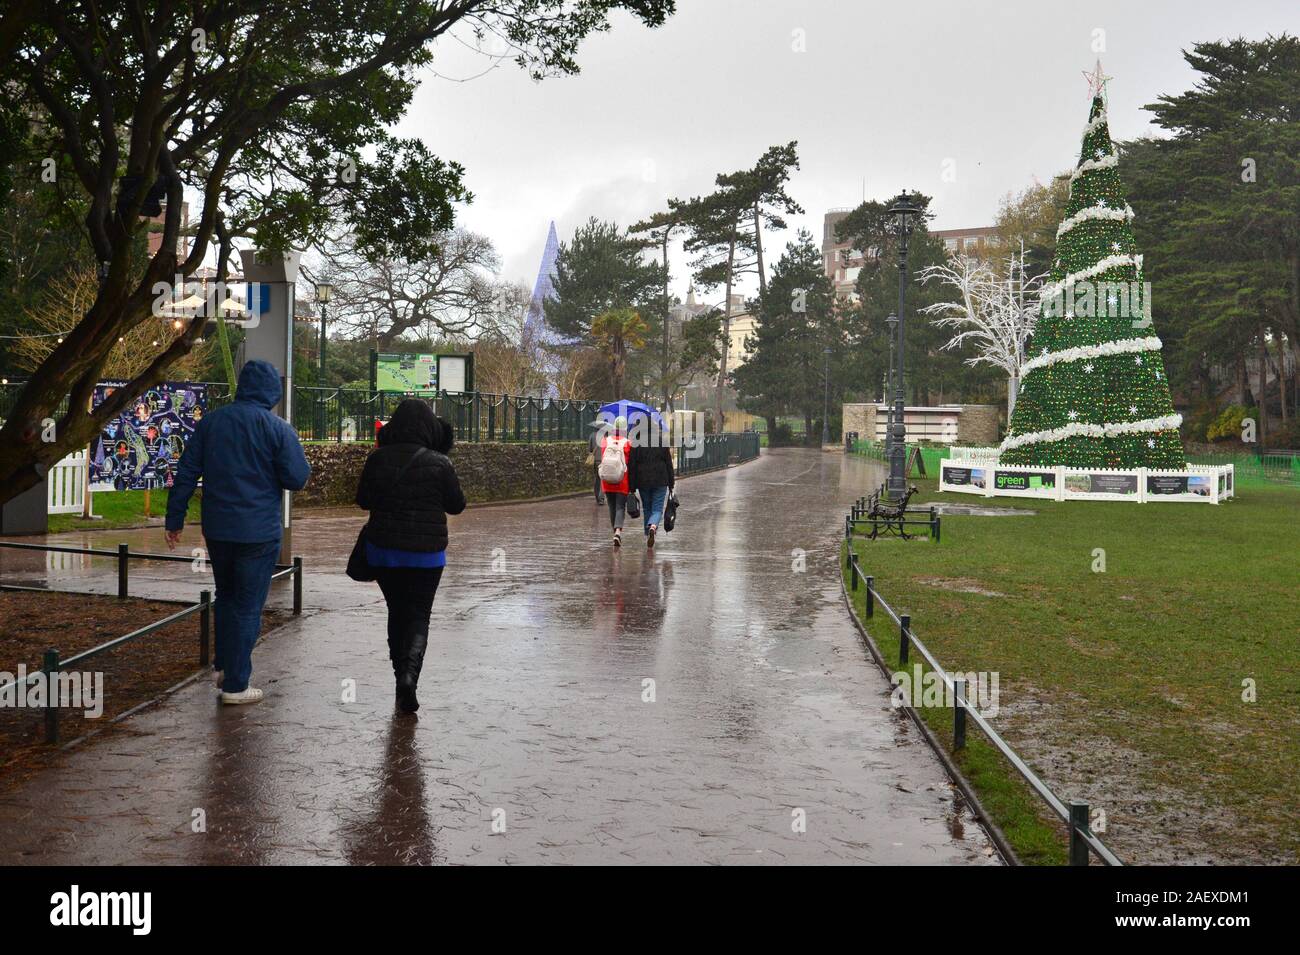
397, 657
408, 671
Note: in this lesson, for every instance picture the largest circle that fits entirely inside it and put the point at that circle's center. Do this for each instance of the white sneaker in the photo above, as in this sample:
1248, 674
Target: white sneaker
249, 695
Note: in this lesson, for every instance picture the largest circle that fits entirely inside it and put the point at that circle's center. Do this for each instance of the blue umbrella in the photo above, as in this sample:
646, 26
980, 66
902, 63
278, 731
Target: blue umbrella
631, 410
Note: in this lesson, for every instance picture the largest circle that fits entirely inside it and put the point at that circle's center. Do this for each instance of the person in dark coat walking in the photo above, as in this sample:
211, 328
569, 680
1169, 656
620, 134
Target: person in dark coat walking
248, 457
650, 471
409, 486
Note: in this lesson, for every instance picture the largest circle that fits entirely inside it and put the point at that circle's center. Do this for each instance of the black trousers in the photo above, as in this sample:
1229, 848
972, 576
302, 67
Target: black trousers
409, 593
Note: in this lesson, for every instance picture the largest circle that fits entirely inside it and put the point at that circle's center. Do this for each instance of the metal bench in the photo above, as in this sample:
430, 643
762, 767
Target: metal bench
890, 514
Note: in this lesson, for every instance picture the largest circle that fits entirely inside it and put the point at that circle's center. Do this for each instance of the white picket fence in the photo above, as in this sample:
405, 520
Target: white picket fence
67, 485
979, 474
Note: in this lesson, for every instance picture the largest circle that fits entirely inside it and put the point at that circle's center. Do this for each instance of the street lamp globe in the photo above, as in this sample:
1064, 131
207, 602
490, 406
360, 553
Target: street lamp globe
324, 292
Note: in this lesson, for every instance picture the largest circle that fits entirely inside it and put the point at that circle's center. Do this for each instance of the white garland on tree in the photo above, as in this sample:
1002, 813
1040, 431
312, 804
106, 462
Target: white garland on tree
1122, 347
1110, 430
1095, 122
1094, 212
1103, 265
1108, 161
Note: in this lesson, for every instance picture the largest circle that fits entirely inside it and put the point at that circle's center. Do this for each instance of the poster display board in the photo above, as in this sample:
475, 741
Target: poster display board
1182, 484
1102, 485
965, 477
408, 372
139, 449
1024, 482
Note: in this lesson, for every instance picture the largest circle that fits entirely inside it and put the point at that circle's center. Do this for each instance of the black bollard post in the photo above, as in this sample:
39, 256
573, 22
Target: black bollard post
1078, 825
959, 714
904, 632
205, 626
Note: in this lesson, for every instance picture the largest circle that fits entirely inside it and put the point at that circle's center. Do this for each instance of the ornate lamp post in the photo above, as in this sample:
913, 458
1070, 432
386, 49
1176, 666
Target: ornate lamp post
891, 323
324, 292
904, 211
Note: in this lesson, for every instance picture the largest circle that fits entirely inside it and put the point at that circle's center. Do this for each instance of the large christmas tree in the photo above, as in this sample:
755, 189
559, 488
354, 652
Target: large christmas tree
1093, 386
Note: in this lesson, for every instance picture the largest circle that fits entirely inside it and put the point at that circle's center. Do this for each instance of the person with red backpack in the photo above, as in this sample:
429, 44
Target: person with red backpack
614, 458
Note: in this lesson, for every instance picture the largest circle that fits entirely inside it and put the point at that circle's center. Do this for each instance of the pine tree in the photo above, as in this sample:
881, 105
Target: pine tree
1094, 391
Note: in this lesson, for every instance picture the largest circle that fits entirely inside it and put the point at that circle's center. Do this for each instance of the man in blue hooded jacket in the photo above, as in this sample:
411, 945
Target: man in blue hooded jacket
247, 456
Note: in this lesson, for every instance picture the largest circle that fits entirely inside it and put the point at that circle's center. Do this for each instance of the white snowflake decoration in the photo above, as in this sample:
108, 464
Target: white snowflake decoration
1072, 415
1115, 246
1137, 360
1151, 442
1088, 368
1132, 409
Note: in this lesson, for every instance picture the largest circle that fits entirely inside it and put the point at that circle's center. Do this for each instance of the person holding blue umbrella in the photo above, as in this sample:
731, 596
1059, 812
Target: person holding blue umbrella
652, 477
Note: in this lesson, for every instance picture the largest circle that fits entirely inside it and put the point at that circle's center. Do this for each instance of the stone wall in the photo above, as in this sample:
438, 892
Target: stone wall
978, 426
858, 417
488, 471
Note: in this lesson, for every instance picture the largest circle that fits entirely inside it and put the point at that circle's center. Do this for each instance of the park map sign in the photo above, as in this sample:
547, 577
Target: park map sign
140, 448
406, 373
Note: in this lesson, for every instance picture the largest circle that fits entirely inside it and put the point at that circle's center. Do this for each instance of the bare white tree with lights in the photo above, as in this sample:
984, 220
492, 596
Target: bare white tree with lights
995, 314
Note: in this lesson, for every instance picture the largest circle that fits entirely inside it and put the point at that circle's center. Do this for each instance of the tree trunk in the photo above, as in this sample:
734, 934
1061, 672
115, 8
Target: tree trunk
726, 326
663, 362
1013, 386
758, 244
1262, 397
1281, 378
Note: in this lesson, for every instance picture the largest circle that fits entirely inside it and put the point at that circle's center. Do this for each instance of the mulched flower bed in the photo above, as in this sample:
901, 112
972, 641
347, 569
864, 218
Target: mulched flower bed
133, 673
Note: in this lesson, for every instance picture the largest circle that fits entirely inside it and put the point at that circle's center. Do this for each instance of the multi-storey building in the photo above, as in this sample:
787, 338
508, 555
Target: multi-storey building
842, 262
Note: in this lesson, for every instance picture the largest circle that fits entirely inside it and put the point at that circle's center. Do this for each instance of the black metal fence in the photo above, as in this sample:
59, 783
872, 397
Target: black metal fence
351, 414
709, 451
344, 414
1075, 815
53, 662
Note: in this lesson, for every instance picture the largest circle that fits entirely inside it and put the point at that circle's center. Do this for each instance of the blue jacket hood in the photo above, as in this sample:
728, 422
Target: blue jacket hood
259, 383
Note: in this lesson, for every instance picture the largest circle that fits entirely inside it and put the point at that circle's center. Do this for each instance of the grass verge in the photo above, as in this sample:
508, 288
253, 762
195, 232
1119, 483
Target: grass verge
1148, 661
118, 509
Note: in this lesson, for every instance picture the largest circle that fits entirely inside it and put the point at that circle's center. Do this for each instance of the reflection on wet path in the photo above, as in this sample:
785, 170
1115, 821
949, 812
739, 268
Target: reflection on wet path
580, 704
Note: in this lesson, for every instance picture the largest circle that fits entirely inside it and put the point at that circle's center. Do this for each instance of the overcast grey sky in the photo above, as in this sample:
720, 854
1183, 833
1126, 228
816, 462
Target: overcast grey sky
884, 92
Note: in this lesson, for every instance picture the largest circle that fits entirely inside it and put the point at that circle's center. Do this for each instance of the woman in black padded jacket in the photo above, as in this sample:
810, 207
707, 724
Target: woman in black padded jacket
409, 486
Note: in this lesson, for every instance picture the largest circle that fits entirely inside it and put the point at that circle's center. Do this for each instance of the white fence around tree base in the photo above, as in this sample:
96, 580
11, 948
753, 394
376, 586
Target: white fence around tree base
66, 487
983, 475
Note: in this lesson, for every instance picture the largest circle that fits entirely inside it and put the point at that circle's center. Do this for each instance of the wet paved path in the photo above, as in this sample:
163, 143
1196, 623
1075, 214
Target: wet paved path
532, 706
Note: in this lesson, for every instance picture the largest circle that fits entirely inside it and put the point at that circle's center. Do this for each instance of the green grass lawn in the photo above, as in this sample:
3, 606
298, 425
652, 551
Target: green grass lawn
116, 509
1128, 682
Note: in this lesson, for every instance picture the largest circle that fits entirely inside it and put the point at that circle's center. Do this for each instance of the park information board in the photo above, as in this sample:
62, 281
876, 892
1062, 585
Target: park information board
406, 373
139, 449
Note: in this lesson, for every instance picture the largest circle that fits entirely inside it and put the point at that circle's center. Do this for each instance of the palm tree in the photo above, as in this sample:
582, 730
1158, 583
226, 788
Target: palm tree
615, 332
